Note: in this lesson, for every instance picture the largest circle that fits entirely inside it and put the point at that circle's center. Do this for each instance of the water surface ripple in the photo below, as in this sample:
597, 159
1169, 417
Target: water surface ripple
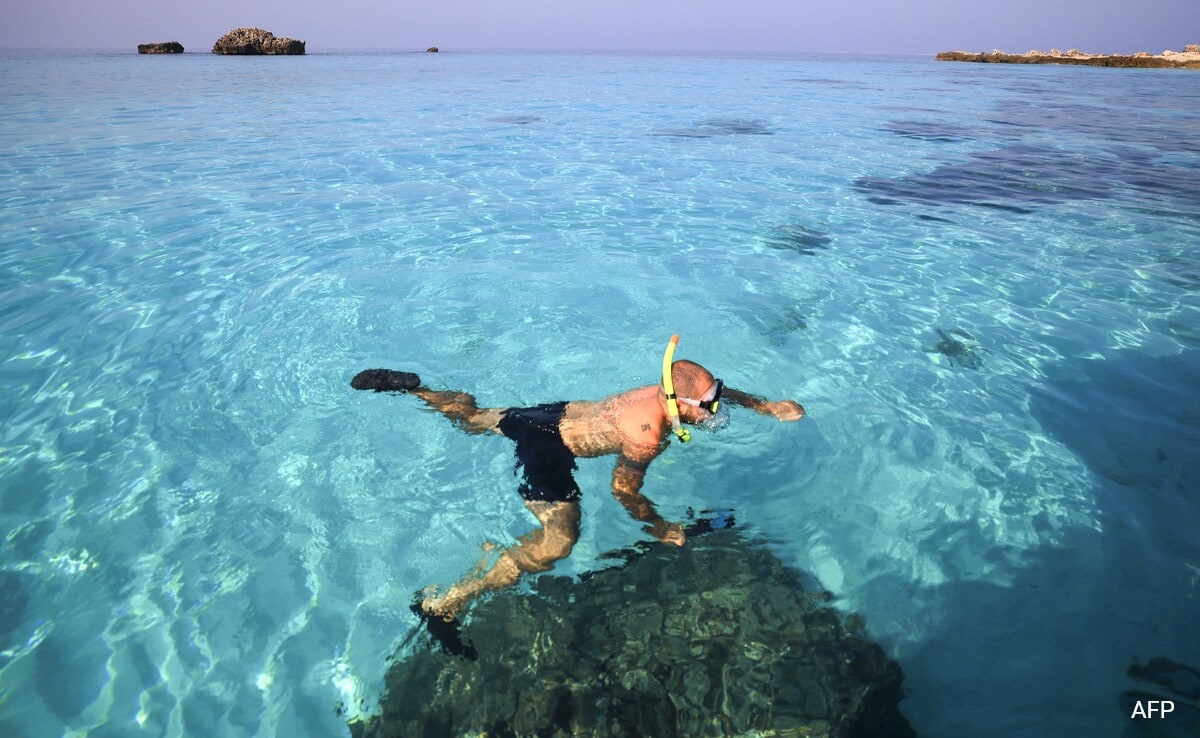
982, 282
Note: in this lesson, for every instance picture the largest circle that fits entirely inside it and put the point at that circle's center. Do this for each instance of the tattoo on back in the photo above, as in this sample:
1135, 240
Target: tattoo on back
645, 426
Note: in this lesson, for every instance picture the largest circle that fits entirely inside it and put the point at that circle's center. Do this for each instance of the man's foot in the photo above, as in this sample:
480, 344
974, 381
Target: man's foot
446, 631
385, 380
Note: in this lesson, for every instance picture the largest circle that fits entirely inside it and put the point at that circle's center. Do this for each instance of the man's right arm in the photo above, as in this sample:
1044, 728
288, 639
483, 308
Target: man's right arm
785, 410
628, 476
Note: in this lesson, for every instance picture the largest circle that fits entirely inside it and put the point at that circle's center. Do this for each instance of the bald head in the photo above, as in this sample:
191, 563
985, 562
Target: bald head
690, 379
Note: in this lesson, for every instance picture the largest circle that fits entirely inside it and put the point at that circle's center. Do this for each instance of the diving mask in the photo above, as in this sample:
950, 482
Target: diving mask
712, 399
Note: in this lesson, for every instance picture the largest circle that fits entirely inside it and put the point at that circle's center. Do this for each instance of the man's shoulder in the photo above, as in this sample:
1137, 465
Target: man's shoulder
641, 428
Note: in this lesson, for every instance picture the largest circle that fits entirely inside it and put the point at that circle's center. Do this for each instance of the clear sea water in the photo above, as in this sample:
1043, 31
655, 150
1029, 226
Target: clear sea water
983, 282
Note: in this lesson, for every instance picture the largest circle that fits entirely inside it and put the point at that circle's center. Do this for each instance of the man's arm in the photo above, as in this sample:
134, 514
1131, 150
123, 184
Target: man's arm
628, 475
785, 410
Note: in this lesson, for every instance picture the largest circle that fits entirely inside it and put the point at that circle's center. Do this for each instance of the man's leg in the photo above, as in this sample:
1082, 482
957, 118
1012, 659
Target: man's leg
536, 552
461, 409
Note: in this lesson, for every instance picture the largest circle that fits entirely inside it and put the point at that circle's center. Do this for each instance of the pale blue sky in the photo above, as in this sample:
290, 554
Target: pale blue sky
887, 26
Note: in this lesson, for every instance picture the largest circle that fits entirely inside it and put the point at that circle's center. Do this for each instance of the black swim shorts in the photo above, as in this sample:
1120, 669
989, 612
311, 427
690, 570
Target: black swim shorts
544, 459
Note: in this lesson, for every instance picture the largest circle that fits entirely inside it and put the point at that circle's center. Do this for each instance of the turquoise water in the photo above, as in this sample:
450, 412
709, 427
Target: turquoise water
982, 282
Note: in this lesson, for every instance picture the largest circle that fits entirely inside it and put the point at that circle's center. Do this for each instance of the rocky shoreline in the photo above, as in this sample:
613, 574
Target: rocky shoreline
1189, 58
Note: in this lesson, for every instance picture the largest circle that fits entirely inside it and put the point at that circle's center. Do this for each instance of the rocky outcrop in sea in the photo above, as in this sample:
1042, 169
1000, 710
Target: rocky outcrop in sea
256, 41
1189, 58
164, 47
717, 638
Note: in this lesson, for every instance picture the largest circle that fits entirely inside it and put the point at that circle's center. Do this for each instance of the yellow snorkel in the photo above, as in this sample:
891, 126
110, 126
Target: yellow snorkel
669, 390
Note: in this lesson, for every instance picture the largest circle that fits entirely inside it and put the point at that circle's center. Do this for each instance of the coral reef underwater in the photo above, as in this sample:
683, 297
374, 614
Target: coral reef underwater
718, 638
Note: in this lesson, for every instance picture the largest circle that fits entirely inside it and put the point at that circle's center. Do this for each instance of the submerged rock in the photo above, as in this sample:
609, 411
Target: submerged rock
256, 41
798, 238
960, 347
718, 638
164, 47
519, 120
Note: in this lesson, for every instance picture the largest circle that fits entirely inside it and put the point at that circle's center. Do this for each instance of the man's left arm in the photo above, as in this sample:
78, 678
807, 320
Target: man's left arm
628, 475
785, 410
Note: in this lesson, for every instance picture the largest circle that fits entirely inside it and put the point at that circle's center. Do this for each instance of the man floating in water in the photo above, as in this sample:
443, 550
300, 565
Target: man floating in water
633, 425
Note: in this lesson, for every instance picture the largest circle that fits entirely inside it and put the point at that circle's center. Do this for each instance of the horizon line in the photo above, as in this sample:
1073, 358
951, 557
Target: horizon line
510, 49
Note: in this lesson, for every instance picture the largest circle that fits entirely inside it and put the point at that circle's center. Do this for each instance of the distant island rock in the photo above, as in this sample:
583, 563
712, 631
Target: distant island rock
1189, 58
165, 47
256, 41
432, 50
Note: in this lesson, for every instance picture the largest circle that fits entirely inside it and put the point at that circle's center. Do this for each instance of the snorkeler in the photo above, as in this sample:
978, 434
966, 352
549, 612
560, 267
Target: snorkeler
634, 426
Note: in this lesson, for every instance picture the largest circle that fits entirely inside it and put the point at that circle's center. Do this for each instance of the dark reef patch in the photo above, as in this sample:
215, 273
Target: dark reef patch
1183, 135
780, 326
715, 127
516, 120
798, 238
1134, 418
1181, 270
13, 601
930, 131
716, 638
1162, 679
1154, 153
1014, 179
825, 82
960, 347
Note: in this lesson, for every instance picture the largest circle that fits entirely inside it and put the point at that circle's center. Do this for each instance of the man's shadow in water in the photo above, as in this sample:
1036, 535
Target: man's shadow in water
1097, 608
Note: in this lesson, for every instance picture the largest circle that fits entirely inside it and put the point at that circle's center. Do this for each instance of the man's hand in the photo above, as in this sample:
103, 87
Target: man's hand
671, 533
786, 410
